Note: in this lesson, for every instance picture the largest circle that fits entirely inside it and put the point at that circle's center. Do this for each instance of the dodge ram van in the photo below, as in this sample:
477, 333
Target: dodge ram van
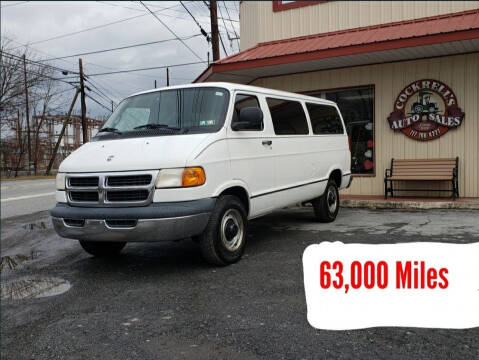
200, 161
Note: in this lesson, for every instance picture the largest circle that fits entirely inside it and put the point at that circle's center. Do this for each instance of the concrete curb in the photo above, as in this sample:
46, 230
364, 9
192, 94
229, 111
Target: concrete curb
408, 205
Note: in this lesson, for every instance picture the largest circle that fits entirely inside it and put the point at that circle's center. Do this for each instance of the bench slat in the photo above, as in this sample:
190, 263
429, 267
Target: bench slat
432, 171
420, 177
426, 160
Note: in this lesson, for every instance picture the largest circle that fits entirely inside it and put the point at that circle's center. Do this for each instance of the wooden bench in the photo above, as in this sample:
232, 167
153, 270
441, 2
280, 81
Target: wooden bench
422, 170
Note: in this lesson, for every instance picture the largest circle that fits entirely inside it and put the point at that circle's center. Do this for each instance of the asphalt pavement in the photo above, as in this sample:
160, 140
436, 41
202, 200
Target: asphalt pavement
161, 301
20, 197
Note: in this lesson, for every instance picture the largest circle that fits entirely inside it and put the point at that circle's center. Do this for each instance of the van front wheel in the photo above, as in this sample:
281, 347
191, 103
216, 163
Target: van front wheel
326, 206
224, 238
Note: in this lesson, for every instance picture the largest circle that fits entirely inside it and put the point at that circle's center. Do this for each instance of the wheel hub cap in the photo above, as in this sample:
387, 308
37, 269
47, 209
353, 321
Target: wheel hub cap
232, 229
332, 200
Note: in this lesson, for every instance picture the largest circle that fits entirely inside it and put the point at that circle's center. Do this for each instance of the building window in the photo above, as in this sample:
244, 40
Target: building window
324, 119
287, 5
357, 108
288, 117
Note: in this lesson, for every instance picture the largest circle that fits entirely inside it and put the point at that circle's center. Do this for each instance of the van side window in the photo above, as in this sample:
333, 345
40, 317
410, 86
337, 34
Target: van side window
324, 119
288, 117
244, 101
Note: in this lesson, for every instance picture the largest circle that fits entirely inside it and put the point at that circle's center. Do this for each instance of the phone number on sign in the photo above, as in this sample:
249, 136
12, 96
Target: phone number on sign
370, 275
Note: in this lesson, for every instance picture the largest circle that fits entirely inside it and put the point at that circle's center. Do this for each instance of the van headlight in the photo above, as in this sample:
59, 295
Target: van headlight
60, 181
183, 177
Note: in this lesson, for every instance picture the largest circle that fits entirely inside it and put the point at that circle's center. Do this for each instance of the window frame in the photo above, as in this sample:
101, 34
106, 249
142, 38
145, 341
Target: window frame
236, 93
322, 93
303, 107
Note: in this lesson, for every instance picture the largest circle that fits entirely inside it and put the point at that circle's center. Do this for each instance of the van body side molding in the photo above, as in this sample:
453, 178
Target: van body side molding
288, 188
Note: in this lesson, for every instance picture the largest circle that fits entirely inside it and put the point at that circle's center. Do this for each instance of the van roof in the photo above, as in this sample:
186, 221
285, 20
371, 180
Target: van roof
241, 87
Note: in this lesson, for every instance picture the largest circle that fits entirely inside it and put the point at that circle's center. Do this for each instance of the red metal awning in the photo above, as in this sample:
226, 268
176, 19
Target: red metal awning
372, 44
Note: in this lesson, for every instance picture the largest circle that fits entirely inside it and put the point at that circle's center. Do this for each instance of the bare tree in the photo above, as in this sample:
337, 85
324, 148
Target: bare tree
42, 87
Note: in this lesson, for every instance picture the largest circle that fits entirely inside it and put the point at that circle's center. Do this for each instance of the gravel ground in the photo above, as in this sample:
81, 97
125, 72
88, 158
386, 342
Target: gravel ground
161, 301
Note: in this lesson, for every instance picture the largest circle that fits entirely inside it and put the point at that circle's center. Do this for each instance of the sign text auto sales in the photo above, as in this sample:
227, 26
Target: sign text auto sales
425, 110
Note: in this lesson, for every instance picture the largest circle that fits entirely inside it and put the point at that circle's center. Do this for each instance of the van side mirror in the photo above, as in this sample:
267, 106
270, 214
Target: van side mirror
250, 118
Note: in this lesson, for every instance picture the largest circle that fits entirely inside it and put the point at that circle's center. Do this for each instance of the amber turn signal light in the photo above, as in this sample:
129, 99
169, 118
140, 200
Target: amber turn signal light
193, 176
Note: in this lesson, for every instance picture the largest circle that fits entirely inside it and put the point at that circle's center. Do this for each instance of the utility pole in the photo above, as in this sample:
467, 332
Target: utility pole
83, 104
155, 84
29, 145
214, 30
62, 131
167, 77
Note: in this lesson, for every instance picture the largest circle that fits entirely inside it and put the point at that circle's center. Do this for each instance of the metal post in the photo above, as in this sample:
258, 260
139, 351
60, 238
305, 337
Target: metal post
214, 30
62, 131
27, 115
83, 104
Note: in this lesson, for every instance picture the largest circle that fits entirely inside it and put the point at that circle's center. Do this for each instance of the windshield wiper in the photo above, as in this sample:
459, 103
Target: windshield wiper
110, 129
157, 126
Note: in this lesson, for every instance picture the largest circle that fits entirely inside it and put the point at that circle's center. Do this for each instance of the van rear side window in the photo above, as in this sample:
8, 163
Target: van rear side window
324, 119
288, 117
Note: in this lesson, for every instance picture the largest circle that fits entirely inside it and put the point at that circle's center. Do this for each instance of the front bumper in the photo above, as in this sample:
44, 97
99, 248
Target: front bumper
155, 222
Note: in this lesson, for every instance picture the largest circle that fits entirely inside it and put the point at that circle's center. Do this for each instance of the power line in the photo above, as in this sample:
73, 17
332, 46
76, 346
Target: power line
92, 28
38, 74
120, 6
221, 38
121, 48
86, 62
99, 103
171, 31
196, 21
98, 91
38, 63
234, 29
149, 68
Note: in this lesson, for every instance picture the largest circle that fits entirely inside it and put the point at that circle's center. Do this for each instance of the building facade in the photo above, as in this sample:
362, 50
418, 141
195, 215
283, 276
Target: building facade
405, 75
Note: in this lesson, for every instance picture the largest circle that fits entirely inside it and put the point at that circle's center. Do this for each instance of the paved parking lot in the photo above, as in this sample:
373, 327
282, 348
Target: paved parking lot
162, 301
20, 197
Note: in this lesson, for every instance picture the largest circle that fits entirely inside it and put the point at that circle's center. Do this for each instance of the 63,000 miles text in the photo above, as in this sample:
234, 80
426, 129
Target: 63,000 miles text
369, 275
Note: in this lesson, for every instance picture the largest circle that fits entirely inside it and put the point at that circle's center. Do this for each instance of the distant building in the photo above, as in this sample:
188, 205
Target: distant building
14, 157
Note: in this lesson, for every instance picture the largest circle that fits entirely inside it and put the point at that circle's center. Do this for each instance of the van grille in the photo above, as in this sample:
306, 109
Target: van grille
130, 195
132, 180
83, 196
111, 189
90, 181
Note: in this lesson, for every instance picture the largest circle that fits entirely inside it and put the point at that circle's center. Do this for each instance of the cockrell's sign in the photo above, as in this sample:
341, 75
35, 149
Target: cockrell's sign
425, 110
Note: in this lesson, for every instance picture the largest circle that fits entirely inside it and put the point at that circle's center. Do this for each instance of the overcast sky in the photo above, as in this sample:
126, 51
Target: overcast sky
31, 22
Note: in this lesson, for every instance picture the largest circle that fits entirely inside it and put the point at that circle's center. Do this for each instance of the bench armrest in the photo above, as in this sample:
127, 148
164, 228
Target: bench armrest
387, 173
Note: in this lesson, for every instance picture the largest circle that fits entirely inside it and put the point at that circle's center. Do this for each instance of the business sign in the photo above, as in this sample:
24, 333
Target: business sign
425, 110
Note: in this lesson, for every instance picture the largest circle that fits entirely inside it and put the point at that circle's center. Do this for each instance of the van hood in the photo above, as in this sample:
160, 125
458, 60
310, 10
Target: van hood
133, 154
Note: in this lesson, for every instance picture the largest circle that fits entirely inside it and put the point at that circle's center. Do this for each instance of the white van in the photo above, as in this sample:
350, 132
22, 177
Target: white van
199, 161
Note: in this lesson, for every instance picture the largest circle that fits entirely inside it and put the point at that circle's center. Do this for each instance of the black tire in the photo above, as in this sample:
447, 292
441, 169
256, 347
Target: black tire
102, 248
326, 207
224, 238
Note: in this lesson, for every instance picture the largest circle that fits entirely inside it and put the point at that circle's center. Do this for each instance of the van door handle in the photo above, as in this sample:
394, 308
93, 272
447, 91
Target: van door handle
267, 142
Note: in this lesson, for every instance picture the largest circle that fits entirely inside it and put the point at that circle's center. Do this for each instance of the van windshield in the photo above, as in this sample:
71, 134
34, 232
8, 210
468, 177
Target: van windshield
169, 112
